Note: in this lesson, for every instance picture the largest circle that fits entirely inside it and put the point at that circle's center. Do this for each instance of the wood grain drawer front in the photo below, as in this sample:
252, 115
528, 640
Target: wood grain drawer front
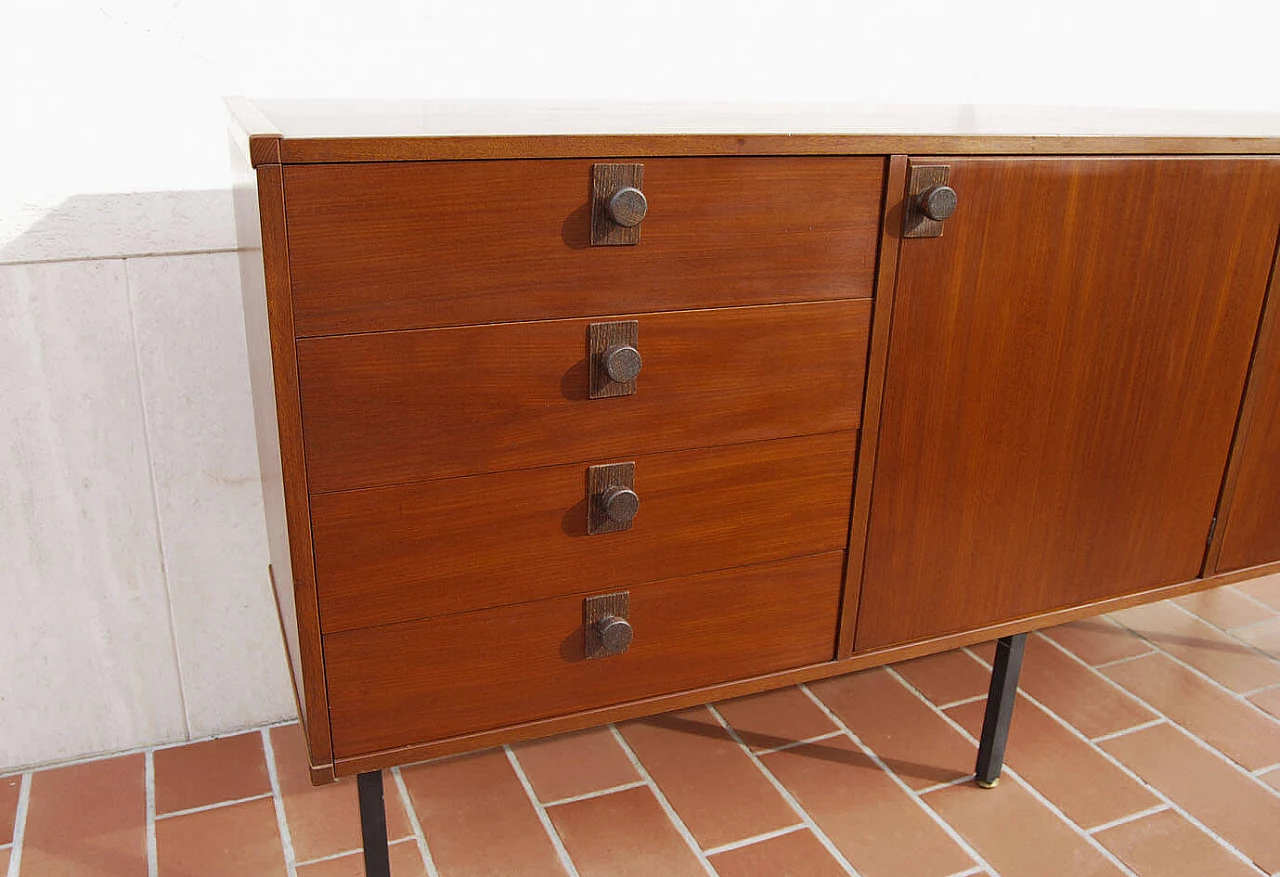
427, 680
409, 245
421, 550
396, 407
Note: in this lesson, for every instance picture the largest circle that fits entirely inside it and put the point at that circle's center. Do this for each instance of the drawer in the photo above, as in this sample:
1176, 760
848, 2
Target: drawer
428, 549
427, 680
396, 407
416, 244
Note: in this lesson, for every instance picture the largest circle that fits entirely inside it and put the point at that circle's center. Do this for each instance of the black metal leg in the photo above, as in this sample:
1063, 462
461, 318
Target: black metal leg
1000, 699
373, 824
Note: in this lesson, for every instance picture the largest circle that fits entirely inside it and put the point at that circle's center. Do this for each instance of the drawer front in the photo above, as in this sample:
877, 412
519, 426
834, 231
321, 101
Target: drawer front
421, 550
427, 680
417, 244
397, 407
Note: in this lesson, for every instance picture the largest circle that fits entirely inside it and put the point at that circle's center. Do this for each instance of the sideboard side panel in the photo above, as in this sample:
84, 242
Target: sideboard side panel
264, 279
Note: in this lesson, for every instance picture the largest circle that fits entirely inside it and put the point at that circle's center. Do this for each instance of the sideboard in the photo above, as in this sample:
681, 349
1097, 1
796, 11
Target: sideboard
574, 414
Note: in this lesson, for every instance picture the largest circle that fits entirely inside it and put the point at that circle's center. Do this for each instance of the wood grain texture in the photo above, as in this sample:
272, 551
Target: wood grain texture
1065, 369
1249, 515
427, 549
398, 407
606, 181
742, 687
264, 280
868, 436
394, 246
424, 680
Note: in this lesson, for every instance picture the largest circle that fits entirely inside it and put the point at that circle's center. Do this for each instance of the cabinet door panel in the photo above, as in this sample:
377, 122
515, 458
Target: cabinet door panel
1250, 517
1065, 369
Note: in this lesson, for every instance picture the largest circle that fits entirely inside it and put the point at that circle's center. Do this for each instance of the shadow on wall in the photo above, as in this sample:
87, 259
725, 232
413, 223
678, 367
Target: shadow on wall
126, 224
131, 524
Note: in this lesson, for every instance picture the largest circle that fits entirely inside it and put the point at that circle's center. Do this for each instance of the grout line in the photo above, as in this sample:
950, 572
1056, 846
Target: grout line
662, 798
969, 873
414, 823
282, 823
1127, 771
1034, 792
1102, 738
1148, 653
1250, 626
20, 825
962, 701
542, 813
794, 743
587, 796
791, 800
122, 256
1264, 770
153, 854
202, 808
356, 852
746, 842
948, 784
155, 500
1125, 820
879, 762
1272, 687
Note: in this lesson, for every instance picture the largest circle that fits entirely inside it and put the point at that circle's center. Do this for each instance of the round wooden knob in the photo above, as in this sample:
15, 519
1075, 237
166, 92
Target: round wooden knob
620, 504
622, 363
615, 633
937, 202
628, 206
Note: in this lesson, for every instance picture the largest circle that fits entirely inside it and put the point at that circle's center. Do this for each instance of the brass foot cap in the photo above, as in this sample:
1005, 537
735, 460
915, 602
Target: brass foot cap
990, 785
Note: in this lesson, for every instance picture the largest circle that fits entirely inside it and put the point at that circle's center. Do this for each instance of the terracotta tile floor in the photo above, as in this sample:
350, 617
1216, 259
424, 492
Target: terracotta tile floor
1145, 743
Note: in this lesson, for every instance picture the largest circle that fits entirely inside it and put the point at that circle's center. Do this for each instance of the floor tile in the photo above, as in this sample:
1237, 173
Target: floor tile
226, 841
200, 774
1263, 636
875, 824
1235, 729
1231, 804
1202, 645
9, 789
1098, 640
1077, 694
625, 834
798, 854
946, 677
914, 741
575, 764
1016, 834
1271, 778
1073, 775
714, 787
775, 718
1225, 607
4, 860
477, 818
1265, 590
325, 820
1165, 844
87, 820
406, 861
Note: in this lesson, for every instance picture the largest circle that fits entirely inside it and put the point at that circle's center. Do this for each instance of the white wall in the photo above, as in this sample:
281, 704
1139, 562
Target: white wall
131, 546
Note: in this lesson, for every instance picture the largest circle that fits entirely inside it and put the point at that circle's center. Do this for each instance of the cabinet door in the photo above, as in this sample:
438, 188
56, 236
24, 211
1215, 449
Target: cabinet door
1249, 520
1066, 364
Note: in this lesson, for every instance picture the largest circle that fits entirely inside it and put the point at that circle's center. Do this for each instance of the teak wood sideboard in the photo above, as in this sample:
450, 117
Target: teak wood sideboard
571, 415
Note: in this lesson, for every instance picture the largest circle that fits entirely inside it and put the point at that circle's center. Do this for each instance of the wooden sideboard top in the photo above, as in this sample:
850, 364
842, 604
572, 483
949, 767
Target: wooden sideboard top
312, 131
